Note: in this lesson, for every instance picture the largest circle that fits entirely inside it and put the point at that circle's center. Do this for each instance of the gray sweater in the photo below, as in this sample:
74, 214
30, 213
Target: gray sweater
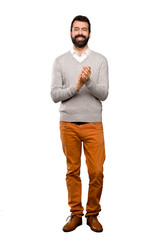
85, 105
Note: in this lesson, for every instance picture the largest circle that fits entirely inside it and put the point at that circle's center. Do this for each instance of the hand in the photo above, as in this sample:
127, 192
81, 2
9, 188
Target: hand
83, 77
86, 73
79, 83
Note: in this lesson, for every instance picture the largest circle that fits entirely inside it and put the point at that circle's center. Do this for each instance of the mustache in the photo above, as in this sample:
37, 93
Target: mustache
80, 35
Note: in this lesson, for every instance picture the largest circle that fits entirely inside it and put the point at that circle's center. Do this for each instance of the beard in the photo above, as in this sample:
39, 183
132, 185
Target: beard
82, 43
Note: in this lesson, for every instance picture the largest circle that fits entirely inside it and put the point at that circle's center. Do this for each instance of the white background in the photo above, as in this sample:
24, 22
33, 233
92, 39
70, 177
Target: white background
33, 194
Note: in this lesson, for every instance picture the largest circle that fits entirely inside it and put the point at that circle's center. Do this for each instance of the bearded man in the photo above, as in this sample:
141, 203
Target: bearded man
80, 83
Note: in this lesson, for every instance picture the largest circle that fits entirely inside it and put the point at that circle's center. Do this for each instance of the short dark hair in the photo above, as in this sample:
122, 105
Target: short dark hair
81, 19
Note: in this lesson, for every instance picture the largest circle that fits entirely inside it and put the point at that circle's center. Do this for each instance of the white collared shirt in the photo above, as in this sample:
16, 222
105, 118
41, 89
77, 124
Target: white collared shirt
83, 56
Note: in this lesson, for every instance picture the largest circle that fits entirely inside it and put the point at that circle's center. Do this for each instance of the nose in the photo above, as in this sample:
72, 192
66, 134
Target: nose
80, 31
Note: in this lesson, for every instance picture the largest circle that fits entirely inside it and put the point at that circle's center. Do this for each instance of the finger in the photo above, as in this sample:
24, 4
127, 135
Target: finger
87, 67
86, 70
85, 75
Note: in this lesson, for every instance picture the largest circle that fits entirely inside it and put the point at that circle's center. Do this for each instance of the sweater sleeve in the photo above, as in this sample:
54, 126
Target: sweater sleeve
57, 92
100, 88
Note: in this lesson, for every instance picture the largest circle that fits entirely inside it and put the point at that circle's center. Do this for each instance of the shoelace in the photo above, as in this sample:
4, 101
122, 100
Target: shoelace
71, 216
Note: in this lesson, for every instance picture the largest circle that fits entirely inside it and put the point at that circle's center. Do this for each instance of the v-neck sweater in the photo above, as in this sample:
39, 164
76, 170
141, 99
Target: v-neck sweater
83, 105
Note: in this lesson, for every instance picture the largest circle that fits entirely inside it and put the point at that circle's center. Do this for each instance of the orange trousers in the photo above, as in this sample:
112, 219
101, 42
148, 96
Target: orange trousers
72, 136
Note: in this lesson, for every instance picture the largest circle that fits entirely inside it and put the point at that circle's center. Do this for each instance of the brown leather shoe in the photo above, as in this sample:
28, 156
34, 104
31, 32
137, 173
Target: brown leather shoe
73, 223
94, 224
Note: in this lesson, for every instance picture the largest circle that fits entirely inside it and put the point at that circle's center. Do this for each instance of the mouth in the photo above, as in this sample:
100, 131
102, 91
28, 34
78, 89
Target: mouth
80, 38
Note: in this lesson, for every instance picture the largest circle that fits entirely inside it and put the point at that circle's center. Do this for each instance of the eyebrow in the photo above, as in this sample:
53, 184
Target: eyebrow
84, 28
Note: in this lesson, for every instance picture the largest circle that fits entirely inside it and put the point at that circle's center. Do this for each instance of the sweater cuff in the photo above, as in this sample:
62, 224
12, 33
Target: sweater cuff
89, 83
73, 91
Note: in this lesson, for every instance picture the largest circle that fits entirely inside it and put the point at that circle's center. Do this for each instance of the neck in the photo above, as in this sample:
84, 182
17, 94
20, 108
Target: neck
80, 50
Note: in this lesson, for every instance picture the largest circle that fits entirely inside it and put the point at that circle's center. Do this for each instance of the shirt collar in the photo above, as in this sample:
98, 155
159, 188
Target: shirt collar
87, 52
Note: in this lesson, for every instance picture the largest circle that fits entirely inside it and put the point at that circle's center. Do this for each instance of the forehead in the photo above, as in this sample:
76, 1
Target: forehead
80, 24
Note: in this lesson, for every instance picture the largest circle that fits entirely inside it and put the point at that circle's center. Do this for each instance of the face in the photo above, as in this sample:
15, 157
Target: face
80, 34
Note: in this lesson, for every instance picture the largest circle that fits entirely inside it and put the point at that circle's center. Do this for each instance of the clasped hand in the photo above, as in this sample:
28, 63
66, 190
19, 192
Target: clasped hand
86, 73
83, 77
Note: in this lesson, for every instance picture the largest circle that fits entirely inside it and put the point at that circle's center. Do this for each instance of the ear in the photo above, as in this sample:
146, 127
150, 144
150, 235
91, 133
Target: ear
70, 34
89, 35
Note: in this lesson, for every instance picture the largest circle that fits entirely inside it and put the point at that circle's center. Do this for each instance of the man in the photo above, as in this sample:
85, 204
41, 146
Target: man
80, 82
